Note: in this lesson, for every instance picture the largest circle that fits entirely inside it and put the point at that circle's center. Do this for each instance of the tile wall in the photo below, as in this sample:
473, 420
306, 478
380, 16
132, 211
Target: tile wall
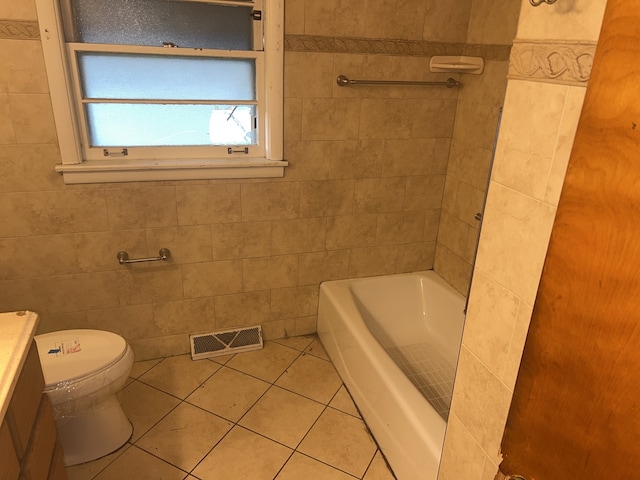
362, 195
538, 126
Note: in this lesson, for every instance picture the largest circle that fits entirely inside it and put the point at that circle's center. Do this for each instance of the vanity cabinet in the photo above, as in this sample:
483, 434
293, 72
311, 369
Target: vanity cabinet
29, 447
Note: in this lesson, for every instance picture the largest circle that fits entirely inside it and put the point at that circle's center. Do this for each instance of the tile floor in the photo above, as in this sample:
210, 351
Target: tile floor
277, 413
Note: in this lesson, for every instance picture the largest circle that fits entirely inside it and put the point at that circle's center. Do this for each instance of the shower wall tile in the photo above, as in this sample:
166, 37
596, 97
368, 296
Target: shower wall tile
516, 346
514, 257
331, 119
351, 231
453, 268
379, 195
269, 272
188, 244
196, 315
294, 302
270, 201
454, 16
319, 17
414, 257
493, 22
369, 261
431, 225
357, 159
139, 284
40, 256
462, 457
424, 192
28, 168
294, 16
419, 157
18, 76
7, 132
325, 198
24, 10
308, 74
400, 227
65, 321
469, 164
97, 251
131, 322
298, 235
32, 118
318, 267
491, 322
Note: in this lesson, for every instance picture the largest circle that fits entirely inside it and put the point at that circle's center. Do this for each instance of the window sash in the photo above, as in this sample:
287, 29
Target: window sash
168, 152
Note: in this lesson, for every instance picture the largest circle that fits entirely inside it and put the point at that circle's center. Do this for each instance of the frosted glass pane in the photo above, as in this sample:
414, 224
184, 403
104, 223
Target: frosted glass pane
138, 125
154, 77
152, 22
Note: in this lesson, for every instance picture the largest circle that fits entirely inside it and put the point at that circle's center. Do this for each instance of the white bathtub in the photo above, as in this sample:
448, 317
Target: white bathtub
363, 323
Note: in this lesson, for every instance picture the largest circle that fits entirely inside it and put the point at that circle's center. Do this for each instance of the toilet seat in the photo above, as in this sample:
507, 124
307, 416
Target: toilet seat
69, 355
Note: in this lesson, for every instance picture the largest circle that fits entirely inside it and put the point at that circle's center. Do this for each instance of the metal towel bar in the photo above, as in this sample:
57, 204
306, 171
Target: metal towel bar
344, 81
123, 257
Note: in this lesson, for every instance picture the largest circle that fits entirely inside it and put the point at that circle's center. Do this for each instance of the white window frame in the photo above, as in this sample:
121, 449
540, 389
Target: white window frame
76, 168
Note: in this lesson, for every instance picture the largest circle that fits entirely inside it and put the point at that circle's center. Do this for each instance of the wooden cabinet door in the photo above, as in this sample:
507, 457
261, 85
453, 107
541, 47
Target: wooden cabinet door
576, 406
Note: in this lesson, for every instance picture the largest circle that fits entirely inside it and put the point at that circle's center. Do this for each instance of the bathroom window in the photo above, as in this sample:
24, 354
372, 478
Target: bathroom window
165, 89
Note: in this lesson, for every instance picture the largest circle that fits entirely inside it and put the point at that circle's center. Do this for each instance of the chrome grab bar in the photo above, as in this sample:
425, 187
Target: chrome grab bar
123, 257
344, 81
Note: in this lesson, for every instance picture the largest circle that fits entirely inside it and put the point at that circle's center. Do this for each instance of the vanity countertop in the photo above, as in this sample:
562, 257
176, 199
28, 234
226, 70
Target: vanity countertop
16, 332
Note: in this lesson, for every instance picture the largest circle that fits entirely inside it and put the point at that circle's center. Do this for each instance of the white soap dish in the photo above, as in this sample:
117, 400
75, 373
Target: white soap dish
460, 64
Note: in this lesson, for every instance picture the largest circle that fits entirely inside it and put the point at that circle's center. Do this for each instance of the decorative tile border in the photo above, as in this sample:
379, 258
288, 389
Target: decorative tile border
19, 30
379, 46
566, 63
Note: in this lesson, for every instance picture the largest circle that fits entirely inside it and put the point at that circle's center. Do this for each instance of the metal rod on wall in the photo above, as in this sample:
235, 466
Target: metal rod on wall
344, 81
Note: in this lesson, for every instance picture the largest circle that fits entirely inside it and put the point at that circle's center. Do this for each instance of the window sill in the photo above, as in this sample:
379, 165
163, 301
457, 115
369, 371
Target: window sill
110, 171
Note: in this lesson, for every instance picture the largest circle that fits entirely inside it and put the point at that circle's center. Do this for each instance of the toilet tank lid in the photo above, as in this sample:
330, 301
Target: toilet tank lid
67, 355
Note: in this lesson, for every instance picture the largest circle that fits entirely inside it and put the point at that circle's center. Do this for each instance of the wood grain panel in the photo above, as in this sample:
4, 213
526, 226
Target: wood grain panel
576, 407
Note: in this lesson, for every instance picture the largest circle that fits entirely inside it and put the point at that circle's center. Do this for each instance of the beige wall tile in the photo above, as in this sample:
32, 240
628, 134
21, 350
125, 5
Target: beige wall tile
184, 316
529, 135
419, 157
188, 244
378, 195
294, 302
53, 295
7, 132
424, 192
469, 201
132, 322
276, 329
32, 118
98, 250
141, 207
453, 234
446, 22
351, 231
238, 240
65, 321
400, 227
23, 10
330, 119
349, 21
205, 204
158, 347
24, 257
490, 322
481, 402
361, 159
308, 160
141, 283
436, 118
214, 278
319, 17
23, 67
264, 273
454, 269
493, 22
517, 345
469, 164
292, 123
308, 74
415, 257
326, 198
511, 255
386, 118
27, 168
45, 213
318, 267
270, 201
369, 261
294, 17
298, 235
431, 223
401, 19
243, 309
462, 457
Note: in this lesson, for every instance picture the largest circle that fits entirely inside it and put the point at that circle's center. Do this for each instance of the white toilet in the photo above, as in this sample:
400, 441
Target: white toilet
83, 370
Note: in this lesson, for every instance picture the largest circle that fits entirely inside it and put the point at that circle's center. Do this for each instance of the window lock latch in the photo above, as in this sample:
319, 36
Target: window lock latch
256, 15
231, 151
115, 153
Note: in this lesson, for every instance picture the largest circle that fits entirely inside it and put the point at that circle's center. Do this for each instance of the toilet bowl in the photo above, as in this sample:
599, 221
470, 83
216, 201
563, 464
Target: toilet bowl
83, 370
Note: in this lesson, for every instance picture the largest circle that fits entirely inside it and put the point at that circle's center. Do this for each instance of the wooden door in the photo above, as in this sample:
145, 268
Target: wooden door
576, 407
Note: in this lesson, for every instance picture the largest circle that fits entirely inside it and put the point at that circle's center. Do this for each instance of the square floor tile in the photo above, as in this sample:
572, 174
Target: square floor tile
317, 350
243, 455
282, 416
342, 401
142, 367
185, 436
266, 364
88, 470
229, 393
179, 375
144, 406
340, 440
298, 343
303, 467
379, 470
312, 377
136, 463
